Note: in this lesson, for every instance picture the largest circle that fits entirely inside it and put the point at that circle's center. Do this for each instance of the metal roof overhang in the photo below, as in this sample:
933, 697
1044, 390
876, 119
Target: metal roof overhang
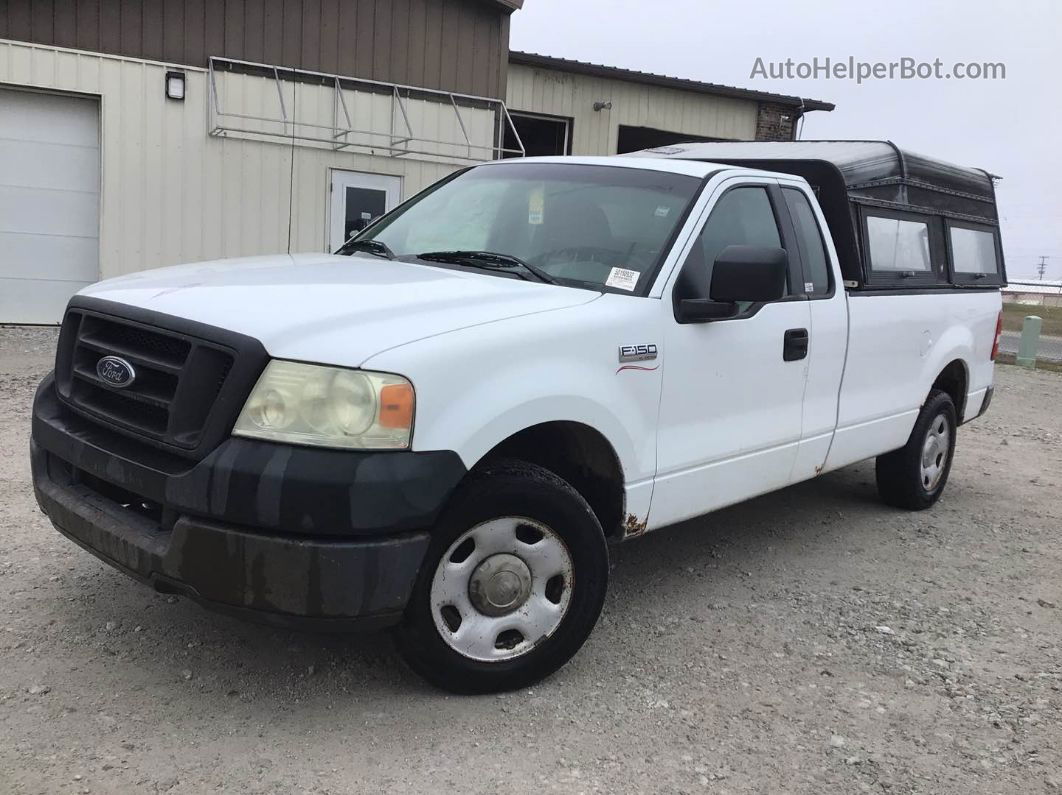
800, 104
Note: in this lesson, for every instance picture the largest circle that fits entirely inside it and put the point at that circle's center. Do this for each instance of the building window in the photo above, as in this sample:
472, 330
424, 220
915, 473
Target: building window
541, 135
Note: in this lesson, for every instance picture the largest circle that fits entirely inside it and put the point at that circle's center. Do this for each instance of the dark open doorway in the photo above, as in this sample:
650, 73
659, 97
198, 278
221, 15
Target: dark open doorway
632, 139
540, 135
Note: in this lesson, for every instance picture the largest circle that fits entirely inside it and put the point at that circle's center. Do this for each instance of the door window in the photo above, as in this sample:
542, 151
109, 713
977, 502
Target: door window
357, 199
742, 217
809, 238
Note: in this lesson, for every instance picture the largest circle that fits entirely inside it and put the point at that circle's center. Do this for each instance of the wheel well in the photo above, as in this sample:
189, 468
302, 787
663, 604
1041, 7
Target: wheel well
580, 455
952, 380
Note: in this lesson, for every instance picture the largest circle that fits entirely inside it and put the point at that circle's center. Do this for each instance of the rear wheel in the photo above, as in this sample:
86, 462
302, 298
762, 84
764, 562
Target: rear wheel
914, 476
511, 586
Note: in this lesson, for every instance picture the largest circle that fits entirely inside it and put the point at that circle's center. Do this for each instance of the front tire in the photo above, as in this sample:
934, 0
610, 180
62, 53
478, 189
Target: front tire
511, 586
914, 476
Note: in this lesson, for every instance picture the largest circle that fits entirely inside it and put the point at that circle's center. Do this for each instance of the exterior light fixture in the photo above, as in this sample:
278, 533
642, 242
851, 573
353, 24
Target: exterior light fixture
175, 85
603, 105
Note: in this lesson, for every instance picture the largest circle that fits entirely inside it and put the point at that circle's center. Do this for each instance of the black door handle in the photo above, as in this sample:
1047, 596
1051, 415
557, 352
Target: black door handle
795, 345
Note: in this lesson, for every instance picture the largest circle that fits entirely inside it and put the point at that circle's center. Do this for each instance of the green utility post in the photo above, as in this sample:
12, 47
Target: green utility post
1030, 341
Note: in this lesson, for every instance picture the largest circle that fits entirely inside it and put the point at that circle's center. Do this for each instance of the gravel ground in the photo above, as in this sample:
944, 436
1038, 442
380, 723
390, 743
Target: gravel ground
809, 641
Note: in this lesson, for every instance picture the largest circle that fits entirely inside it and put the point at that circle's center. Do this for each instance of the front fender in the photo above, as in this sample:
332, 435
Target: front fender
477, 387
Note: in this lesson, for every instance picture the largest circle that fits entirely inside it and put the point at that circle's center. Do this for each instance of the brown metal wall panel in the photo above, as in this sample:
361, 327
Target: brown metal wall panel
466, 46
252, 32
347, 41
42, 20
363, 39
500, 55
381, 40
18, 21
65, 30
418, 20
173, 30
272, 33
399, 61
291, 35
458, 45
448, 39
330, 33
152, 27
310, 57
433, 45
214, 27
110, 26
130, 20
88, 24
194, 31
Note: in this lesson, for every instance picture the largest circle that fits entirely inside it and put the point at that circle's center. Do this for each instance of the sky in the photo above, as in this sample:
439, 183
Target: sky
1011, 127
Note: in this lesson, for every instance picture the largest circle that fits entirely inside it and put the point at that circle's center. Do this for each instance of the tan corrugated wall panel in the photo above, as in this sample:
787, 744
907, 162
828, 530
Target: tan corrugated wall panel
559, 93
171, 193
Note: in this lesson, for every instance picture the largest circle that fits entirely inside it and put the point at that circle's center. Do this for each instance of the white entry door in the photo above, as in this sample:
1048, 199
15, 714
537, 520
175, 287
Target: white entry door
49, 202
358, 198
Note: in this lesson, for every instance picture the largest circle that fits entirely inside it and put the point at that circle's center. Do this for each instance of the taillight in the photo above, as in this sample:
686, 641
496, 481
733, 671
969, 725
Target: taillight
999, 333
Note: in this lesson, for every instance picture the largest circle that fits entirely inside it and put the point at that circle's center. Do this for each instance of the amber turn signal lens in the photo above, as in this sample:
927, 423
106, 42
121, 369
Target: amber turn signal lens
396, 406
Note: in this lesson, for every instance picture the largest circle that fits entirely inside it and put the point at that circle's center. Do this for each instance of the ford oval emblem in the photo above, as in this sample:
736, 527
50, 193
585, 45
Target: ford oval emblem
115, 371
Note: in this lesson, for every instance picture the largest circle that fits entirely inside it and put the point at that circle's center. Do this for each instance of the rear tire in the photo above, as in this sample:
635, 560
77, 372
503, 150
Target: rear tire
914, 476
511, 586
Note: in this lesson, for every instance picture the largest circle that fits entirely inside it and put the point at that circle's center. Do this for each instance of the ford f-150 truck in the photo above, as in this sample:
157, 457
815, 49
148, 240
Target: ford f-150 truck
441, 426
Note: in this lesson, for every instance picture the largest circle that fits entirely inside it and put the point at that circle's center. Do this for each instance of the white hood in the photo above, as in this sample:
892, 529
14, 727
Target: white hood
333, 309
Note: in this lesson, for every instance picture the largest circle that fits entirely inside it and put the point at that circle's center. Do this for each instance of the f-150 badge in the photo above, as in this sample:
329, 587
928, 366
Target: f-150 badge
637, 353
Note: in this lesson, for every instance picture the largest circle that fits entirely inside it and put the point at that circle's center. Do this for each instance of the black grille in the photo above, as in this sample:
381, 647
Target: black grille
180, 382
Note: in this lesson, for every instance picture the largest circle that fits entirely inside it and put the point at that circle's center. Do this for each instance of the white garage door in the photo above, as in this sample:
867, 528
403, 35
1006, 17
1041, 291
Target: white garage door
49, 203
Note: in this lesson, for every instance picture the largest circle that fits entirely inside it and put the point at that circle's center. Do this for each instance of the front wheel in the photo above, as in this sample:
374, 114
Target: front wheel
511, 586
914, 476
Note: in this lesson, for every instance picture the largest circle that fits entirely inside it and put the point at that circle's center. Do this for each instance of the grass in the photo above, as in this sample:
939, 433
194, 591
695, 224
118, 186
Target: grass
1014, 315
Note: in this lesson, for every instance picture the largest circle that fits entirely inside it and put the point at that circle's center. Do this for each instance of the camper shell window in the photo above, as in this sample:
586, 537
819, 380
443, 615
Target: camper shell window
903, 248
975, 253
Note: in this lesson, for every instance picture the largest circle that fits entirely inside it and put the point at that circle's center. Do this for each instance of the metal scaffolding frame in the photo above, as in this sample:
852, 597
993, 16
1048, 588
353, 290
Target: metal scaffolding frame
395, 143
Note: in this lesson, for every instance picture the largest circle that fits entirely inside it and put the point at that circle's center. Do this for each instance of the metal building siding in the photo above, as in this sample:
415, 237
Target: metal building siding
561, 93
454, 45
170, 192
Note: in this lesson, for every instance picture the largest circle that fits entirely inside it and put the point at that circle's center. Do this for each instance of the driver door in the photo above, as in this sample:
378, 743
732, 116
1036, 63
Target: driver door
732, 393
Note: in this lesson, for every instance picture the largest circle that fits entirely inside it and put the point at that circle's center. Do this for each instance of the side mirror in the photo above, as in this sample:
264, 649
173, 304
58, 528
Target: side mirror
703, 310
749, 273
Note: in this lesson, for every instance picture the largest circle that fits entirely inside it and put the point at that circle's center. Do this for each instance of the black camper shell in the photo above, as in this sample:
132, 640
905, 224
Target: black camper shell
899, 220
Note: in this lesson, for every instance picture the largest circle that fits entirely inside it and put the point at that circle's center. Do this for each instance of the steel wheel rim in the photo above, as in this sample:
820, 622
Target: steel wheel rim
481, 570
935, 450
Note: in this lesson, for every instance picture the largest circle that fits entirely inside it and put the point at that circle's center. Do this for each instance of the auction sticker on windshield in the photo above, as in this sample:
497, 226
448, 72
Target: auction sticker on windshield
622, 279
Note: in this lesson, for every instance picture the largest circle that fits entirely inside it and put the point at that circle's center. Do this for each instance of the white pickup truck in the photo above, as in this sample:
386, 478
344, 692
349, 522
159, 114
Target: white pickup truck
441, 426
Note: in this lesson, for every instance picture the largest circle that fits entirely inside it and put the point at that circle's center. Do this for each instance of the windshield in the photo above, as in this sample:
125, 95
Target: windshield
602, 227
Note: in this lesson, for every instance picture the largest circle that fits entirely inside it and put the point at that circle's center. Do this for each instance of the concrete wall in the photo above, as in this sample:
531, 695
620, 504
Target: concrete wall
173, 193
559, 93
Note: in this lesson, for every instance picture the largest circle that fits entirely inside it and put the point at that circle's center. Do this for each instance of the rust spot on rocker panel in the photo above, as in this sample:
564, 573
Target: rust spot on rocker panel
633, 526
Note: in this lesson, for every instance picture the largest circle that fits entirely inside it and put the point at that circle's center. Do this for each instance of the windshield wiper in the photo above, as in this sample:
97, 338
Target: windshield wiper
489, 260
369, 246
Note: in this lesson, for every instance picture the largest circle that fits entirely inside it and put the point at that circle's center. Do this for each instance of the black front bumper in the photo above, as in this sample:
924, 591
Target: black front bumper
321, 538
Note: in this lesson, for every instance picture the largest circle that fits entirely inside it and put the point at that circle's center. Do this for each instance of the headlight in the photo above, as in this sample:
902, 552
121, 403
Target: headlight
329, 407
